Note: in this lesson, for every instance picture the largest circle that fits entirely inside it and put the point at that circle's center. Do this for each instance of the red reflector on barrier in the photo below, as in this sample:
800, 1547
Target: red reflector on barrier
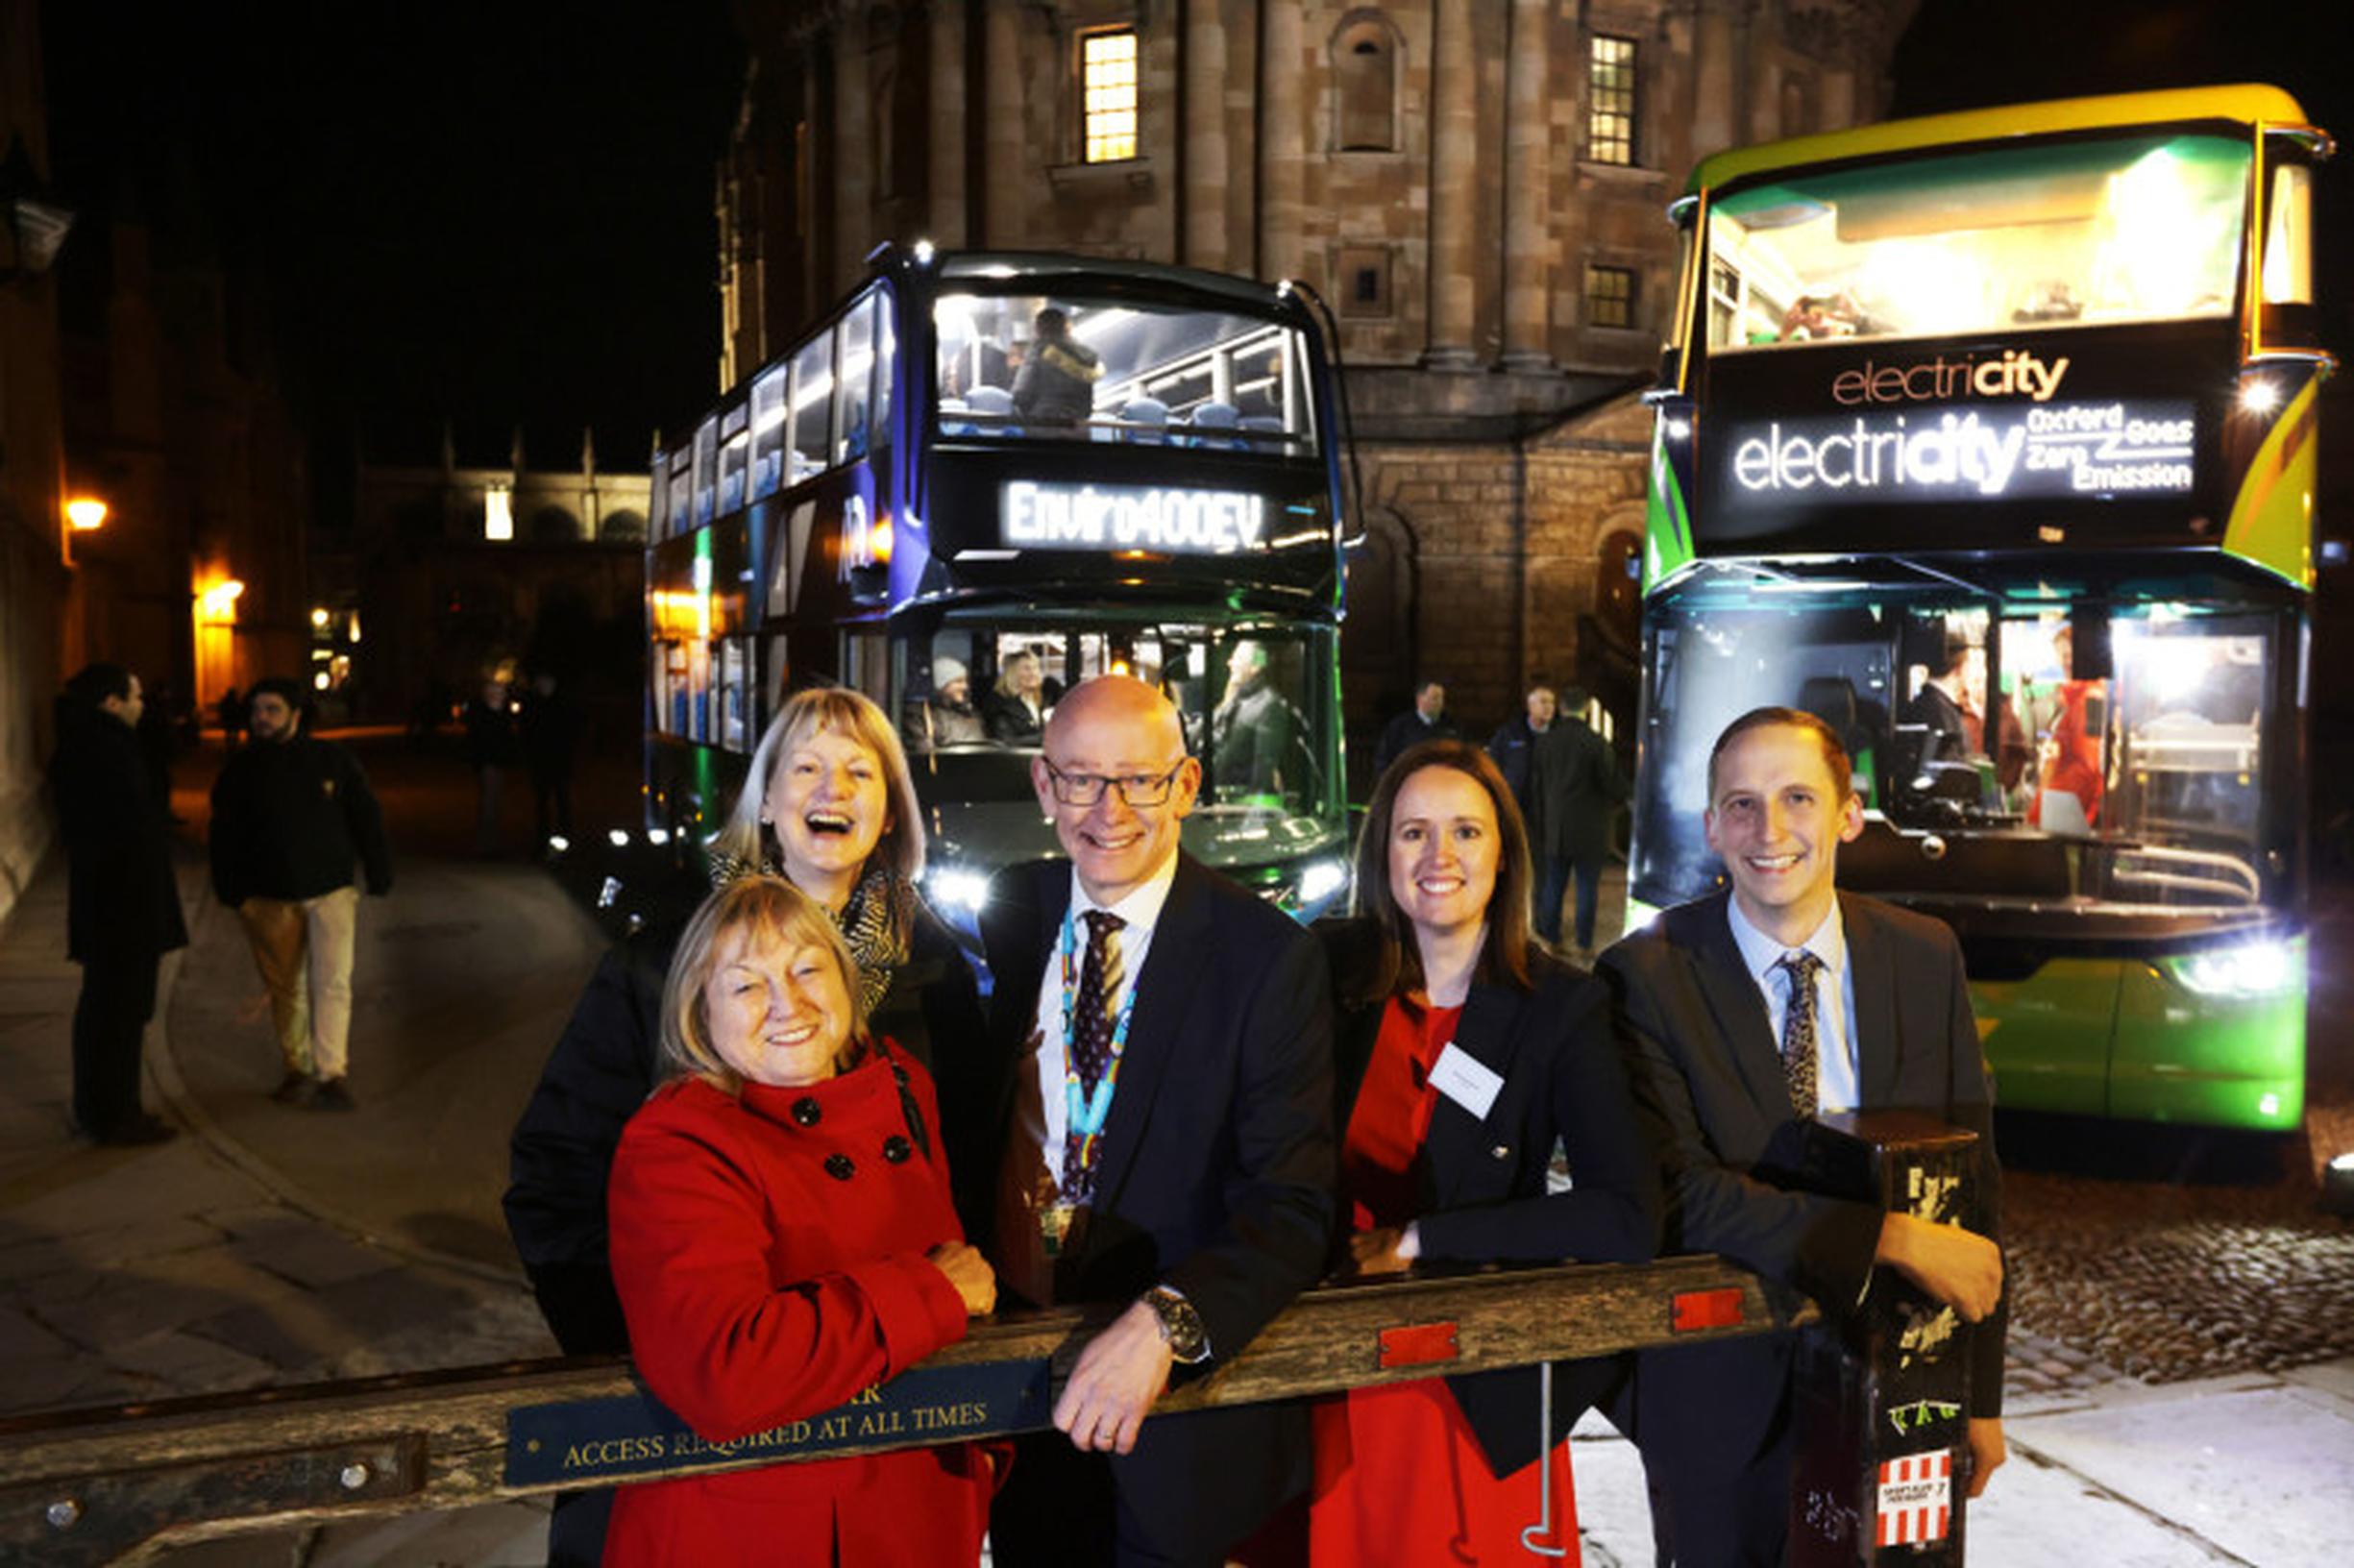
1418, 1346
1706, 1310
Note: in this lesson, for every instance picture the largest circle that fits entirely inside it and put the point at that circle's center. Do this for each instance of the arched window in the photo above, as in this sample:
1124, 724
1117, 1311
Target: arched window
1366, 85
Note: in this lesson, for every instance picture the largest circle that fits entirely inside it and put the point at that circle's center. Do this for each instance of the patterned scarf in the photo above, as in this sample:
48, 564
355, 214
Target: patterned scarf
875, 923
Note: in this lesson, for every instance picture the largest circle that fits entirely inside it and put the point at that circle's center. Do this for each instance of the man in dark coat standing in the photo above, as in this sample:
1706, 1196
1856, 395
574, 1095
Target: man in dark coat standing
1162, 1055
1566, 782
1425, 720
122, 908
1745, 1014
291, 816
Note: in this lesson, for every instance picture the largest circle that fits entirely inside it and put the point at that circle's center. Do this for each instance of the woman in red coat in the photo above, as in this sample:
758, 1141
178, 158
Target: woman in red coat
782, 1239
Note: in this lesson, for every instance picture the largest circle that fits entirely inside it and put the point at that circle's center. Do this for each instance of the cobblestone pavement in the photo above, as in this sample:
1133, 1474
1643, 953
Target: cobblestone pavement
2165, 1282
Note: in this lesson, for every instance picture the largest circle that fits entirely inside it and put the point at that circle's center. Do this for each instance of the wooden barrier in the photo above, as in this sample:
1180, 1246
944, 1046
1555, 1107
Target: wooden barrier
120, 1484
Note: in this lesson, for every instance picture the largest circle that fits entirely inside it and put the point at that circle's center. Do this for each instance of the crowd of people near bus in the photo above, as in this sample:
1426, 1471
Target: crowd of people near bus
786, 1149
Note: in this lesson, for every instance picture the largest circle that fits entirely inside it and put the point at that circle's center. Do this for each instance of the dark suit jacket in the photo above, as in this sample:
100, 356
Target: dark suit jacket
1703, 1060
1484, 1196
1217, 1164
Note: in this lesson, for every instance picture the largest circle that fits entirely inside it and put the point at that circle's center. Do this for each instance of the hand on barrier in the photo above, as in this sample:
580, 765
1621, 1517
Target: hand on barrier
970, 1272
1959, 1267
1120, 1373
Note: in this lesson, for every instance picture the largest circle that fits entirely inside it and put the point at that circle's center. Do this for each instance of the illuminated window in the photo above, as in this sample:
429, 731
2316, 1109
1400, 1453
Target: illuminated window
497, 513
1107, 74
1609, 90
1610, 296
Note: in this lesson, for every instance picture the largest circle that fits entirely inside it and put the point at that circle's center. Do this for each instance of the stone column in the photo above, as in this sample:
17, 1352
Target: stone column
1204, 70
1713, 108
1283, 140
853, 151
949, 132
1454, 166
1005, 219
1527, 135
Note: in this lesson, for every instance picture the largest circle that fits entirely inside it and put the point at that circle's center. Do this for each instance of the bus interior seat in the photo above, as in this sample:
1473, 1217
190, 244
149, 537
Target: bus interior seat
994, 405
1150, 411
1263, 425
1832, 699
1215, 416
950, 423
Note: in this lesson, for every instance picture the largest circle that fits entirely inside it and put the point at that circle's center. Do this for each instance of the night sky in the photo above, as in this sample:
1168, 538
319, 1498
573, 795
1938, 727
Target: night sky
496, 213
502, 212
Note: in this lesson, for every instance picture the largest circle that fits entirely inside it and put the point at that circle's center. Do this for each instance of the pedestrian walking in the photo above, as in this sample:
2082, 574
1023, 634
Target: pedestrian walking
122, 908
291, 816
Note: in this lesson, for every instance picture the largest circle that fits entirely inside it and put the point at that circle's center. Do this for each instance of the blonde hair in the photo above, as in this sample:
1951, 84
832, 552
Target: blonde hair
752, 907
1005, 686
821, 710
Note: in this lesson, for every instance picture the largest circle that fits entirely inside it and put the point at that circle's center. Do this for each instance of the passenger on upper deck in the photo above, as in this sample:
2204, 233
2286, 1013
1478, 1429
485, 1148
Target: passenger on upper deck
1055, 385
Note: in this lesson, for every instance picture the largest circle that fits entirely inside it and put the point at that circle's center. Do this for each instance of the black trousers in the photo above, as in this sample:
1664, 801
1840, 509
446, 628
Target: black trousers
118, 997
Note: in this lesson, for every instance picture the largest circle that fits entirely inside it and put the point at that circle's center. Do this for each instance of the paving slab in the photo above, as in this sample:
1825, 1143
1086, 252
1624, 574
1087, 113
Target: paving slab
2254, 1472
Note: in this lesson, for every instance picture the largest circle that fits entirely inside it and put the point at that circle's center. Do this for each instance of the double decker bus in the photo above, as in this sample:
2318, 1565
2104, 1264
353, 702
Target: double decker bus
1023, 470
1989, 438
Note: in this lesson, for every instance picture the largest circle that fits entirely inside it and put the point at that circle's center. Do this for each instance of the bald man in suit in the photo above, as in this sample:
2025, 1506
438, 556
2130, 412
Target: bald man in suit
1745, 1014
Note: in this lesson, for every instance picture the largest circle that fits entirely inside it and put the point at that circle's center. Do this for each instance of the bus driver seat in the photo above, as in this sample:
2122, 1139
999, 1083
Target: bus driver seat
1832, 699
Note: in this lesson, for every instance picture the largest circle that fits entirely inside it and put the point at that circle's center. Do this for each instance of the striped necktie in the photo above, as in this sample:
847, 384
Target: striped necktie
1091, 1039
1799, 1029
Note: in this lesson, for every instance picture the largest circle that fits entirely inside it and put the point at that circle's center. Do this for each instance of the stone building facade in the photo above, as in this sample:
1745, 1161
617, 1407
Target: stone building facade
450, 571
1478, 187
35, 578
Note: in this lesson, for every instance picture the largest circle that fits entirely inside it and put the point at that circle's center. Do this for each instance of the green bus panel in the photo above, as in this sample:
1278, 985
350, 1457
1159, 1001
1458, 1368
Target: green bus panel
2048, 1037
2217, 1061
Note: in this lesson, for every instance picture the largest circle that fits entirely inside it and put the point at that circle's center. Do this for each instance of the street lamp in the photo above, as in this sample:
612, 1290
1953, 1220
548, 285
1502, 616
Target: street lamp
84, 513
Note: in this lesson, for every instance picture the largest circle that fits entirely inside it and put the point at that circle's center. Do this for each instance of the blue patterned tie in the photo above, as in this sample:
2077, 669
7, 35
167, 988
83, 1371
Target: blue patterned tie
1799, 1030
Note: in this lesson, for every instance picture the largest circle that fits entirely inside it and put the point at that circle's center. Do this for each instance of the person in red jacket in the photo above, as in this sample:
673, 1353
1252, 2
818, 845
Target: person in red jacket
783, 1239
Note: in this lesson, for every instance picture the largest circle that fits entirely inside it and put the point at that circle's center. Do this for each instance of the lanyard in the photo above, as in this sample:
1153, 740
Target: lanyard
1086, 1114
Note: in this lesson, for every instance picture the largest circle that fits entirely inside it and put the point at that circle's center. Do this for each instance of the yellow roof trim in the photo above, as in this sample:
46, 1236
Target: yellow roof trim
2248, 104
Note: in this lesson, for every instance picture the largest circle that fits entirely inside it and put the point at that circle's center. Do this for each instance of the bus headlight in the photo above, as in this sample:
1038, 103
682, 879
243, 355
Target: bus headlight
953, 885
2254, 968
1320, 879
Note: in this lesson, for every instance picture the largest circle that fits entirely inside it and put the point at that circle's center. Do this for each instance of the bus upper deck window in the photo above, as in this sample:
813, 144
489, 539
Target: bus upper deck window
813, 406
2288, 237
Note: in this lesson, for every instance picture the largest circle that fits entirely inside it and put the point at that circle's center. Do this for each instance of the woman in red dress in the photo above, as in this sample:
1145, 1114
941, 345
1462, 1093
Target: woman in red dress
1465, 1052
782, 1239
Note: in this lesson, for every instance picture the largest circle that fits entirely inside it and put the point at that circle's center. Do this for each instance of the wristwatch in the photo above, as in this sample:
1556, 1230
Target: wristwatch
1180, 1325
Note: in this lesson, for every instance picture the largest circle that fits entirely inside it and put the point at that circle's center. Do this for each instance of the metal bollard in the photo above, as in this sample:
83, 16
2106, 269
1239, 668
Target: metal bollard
1880, 1397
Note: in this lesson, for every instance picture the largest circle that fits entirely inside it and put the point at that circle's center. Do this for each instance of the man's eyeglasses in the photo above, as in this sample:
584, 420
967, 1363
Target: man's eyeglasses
1136, 788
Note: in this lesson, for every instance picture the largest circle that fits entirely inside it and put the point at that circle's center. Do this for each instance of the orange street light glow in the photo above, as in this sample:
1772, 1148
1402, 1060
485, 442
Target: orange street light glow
85, 512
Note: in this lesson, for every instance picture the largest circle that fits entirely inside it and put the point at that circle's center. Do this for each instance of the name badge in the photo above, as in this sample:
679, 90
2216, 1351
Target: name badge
1465, 1079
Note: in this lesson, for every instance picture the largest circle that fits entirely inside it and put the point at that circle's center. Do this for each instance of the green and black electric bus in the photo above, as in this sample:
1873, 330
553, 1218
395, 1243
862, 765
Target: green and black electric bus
892, 505
1990, 439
